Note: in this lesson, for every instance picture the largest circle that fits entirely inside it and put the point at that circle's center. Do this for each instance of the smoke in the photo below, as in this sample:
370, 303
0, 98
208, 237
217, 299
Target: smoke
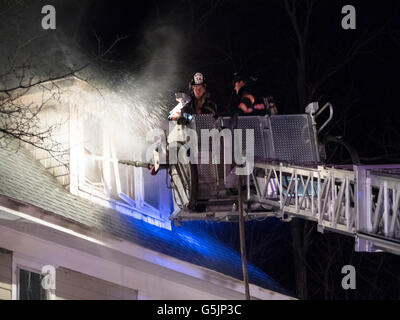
128, 101
120, 102
135, 102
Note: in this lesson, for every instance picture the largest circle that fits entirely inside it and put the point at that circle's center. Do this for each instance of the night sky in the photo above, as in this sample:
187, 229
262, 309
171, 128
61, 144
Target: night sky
221, 37
257, 37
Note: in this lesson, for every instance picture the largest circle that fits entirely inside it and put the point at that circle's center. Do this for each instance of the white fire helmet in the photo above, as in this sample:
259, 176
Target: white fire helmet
198, 78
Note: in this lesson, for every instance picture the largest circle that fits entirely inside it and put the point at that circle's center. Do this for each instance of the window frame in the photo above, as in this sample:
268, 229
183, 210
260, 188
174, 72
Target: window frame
79, 185
29, 264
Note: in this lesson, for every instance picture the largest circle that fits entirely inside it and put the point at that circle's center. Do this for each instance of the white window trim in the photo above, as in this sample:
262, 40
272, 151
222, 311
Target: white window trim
79, 187
20, 261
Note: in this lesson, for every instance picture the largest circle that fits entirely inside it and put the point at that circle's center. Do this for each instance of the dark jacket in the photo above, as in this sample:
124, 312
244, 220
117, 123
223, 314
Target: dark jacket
207, 106
249, 103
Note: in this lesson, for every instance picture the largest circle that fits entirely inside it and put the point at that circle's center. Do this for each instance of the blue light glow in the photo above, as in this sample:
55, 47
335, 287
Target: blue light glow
192, 243
144, 213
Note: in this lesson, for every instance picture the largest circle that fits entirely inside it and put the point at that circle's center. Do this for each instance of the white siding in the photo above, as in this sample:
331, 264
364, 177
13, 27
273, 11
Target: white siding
5, 274
124, 265
72, 285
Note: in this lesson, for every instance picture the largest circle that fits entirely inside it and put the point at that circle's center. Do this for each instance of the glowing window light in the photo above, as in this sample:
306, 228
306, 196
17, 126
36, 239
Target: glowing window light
101, 112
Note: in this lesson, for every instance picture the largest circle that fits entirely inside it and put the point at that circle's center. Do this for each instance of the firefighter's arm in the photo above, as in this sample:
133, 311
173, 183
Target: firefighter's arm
246, 103
210, 107
181, 108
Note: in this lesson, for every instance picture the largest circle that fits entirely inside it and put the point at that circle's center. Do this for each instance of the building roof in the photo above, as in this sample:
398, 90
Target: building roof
24, 179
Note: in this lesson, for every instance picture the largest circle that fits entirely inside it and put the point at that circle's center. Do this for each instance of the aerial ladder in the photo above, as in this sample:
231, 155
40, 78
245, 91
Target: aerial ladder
288, 179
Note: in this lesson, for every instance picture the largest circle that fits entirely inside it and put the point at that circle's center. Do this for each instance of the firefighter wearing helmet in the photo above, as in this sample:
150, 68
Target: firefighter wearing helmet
200, 99
249, 103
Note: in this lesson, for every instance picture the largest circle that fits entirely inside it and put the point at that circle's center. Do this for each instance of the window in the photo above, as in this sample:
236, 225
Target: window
98, 141
32, 279
30, 286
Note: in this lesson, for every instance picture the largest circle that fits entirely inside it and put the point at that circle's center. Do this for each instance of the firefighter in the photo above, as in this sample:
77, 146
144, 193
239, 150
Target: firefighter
200, 97
200, 102
248, 102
